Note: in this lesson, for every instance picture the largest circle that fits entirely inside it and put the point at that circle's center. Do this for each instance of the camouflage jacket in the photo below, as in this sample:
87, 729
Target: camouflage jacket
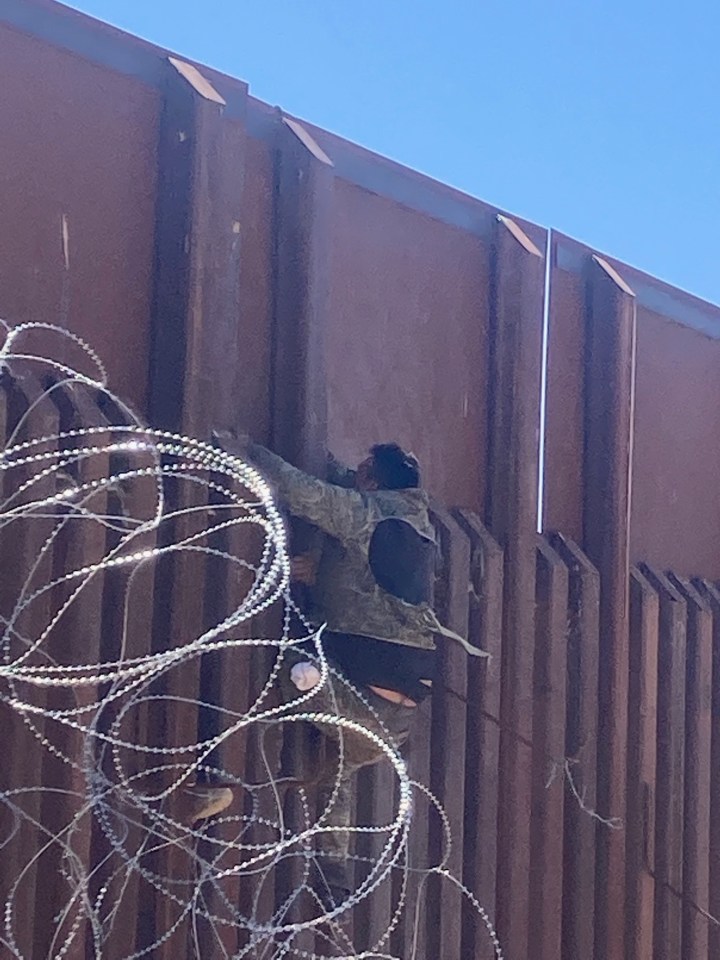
347, 595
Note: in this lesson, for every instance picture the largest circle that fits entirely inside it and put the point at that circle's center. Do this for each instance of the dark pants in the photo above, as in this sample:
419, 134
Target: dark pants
337, 699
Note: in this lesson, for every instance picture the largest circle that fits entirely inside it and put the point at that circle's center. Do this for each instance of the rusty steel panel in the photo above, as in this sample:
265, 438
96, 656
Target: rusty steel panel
197, 281
565, 408
676, 497
413, 933
77, 191
696, 812
376, 805
588, 466
676, 401
548, 762
303, 235
514, 399
195, 332
302, 210
482, 761
642, 768
669, 791
675, 507
135, 896
23, 753
711, 594
606, 511
449, 733
255, 314
407, 344
581, 742
76, 544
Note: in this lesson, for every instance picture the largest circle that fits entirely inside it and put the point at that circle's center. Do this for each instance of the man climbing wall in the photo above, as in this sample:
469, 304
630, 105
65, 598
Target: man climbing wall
372, 589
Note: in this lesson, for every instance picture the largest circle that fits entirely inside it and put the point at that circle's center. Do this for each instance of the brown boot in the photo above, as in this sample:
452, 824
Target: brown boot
197, 801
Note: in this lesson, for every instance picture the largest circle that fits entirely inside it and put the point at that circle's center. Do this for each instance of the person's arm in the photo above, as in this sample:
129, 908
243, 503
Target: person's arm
339, 474
335, 510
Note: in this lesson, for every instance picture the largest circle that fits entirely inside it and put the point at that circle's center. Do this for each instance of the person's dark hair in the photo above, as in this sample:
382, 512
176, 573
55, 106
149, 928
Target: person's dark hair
393, 468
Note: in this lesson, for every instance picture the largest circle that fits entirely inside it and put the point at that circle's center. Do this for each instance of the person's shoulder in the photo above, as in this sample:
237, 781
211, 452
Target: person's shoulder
411, 505
411, 496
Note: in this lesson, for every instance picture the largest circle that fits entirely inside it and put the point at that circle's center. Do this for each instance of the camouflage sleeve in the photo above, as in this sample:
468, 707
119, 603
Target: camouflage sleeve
339, 474
335, 510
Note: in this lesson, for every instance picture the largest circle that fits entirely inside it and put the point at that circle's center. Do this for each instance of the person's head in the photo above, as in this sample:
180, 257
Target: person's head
388, 467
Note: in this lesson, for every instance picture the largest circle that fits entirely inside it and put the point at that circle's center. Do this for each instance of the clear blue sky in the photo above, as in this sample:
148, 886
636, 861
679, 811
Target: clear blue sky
600, 119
